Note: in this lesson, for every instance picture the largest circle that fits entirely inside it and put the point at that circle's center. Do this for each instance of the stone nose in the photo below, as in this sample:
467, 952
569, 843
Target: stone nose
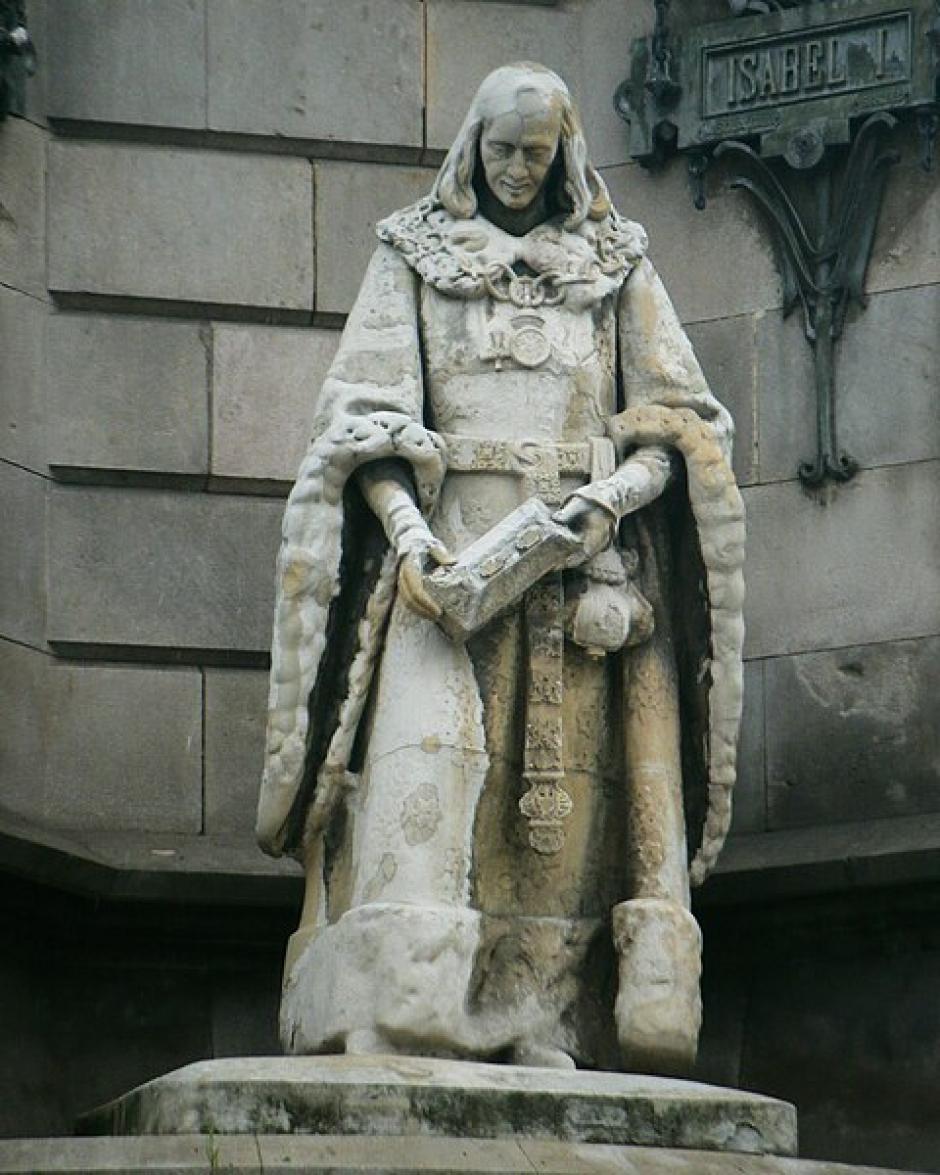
517, 168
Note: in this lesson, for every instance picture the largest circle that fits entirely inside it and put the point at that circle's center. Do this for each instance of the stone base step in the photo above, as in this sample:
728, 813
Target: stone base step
196, 1154
398, 1096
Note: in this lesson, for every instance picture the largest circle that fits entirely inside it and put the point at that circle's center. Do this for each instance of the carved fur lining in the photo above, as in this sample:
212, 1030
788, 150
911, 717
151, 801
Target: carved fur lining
718, 510
454, 256
308, 580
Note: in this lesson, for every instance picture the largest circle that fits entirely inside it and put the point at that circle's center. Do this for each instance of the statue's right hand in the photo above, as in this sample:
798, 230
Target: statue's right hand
411, 573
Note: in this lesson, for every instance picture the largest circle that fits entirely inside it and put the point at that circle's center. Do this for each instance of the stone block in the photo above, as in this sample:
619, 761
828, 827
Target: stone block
128, 61
101, 747
23, 699
22, 411
726, 350
853, 734
265, 381
432, 1097
886, 365
351, 197
155, 569
127, 394
236, 711
124, 750
749, 791
906, 249
586, 43
37, 87
692, 251
195, 226
786, 396
22, 554
247, 1154
321, 70
847, 565
23, 207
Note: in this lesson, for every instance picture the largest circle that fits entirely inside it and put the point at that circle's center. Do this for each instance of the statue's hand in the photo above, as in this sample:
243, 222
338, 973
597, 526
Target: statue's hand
418, 552
591, 523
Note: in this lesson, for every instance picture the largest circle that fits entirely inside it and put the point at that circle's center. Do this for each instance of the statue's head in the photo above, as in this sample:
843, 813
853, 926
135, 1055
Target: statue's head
522, 139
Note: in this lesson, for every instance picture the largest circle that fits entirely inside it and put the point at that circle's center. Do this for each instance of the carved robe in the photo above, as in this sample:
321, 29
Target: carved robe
399, 761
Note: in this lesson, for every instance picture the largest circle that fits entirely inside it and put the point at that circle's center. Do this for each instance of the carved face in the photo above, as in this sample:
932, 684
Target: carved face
517, 149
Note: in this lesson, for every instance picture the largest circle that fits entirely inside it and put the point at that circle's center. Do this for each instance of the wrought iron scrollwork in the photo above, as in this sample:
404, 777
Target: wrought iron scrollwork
823, 271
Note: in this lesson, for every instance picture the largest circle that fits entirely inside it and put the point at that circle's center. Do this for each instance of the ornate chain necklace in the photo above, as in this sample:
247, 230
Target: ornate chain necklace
528, 345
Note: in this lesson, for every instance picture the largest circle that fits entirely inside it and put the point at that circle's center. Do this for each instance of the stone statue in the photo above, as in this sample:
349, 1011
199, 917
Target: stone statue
506, 668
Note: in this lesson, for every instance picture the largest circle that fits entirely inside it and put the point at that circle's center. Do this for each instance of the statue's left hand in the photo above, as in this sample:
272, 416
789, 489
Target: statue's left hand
591, 523
411, 573
418, 550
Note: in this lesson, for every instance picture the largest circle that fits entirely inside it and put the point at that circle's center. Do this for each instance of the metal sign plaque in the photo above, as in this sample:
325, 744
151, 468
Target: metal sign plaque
806, 65
820, 65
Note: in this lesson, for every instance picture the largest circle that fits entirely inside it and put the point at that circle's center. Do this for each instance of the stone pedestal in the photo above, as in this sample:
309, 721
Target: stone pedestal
404, 1114
427, 1097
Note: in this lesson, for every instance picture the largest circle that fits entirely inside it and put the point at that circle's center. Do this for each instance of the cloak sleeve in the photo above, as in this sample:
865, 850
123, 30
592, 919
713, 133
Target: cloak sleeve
698, 531
370, 407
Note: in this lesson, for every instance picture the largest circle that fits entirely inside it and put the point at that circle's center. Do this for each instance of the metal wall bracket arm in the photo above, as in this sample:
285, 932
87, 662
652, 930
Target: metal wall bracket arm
825, 269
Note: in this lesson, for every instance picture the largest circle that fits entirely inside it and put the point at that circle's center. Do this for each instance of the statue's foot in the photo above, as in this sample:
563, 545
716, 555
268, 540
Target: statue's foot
541, 1056
659, 1004
366, 1042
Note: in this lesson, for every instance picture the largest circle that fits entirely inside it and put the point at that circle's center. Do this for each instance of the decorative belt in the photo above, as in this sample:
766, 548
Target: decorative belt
522, 458
545, 804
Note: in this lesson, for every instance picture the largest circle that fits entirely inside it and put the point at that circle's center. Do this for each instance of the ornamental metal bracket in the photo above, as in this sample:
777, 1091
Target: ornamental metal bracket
800, 98
17, 56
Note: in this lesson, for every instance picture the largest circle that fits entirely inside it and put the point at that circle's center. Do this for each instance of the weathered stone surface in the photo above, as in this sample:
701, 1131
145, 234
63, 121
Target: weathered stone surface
853, 734
236, 706
128, 61
854, 563
583, 42
814, 859
23, 705
265, 381
441, 852
886, 361
749, 789
37, 87
160, 569
22, 554
100, 747
124, 749
22, 410
206, 1153
195, 226
786, 396
694, 258
127, 394
906, 250
350, 199
293, 76
427, 1096
23, 206
726, 350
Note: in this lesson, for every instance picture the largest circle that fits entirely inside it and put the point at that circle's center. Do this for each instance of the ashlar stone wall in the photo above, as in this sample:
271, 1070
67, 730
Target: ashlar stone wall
186, 211
186, 228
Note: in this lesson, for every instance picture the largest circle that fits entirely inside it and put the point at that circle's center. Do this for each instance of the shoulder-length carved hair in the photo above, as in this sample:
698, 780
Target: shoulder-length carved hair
582, 193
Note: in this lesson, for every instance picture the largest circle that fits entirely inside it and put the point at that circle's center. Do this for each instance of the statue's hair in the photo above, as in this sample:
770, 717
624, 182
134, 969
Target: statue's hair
584, 194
